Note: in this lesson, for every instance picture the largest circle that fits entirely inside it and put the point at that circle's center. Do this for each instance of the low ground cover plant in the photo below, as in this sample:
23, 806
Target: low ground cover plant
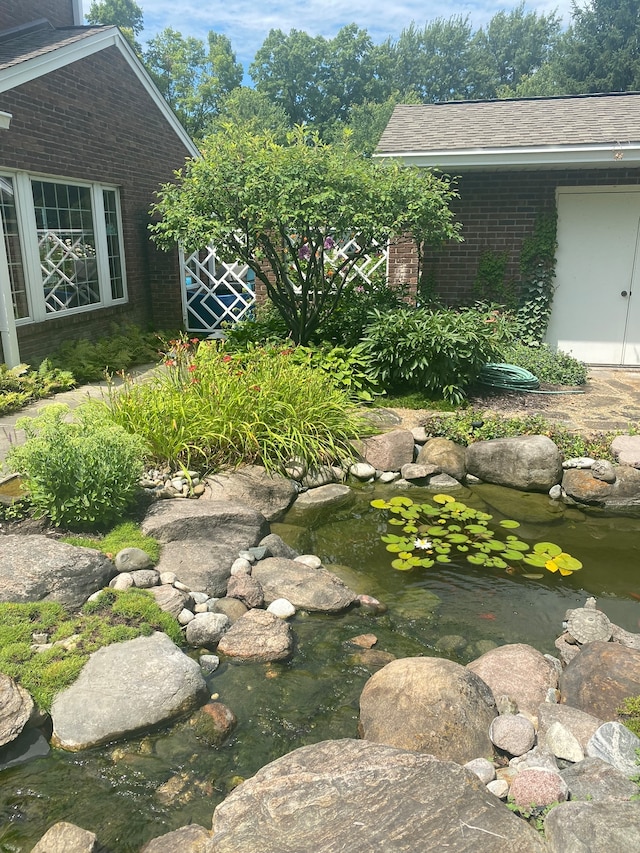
551, 366
113, 617
21, 385
81, 473
125, 535
210, 408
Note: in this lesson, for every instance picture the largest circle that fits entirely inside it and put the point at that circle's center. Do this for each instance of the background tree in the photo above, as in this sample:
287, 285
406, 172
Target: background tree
283, 208
125, 14
252, 110
192, 76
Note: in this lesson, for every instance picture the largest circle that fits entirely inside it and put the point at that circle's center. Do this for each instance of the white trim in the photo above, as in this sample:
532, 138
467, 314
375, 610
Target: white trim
614, 188
8, 334
552, 157
5, 120
78, 16
38, 66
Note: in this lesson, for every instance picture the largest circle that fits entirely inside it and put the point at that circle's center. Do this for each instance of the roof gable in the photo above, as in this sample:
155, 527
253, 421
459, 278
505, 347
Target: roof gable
578, 130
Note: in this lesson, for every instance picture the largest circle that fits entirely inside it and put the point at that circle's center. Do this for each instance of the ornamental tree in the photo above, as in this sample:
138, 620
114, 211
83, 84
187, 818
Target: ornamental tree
283, 210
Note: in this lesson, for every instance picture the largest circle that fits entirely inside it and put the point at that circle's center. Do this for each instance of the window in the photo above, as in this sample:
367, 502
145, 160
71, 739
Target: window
71, 238
9, 223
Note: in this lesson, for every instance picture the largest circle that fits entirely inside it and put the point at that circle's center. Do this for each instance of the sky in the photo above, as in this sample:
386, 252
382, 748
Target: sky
247, 23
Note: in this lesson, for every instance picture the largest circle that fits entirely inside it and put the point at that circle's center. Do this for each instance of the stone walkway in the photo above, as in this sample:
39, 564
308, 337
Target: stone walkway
611, 401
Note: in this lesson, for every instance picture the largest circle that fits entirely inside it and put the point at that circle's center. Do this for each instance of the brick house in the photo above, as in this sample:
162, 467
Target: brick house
85, 141
522, 160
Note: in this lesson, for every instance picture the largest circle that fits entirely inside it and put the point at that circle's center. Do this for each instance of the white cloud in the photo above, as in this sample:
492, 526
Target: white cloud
247, 23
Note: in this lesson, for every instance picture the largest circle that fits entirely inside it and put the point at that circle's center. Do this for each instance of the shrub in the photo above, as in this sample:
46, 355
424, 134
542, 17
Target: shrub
211, 408
554, 367
348, 369
267, 327
438, 351
80, 474
20, 385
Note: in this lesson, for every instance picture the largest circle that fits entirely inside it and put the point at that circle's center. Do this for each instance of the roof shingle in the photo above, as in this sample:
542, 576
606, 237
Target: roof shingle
30, 43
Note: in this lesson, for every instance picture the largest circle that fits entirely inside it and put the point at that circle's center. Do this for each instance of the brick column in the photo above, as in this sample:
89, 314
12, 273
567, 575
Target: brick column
403, 265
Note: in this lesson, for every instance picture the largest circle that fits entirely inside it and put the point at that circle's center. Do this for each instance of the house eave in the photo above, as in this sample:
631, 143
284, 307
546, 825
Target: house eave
38, 66
544, 157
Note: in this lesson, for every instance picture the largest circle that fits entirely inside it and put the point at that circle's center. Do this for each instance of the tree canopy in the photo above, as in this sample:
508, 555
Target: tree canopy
286, 209
125, 14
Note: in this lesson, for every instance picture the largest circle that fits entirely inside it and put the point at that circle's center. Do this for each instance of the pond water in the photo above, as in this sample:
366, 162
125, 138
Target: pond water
130, 792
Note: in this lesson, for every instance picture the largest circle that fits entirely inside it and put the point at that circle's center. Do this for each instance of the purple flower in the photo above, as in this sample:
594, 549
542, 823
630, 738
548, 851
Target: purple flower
329, 242
304, 252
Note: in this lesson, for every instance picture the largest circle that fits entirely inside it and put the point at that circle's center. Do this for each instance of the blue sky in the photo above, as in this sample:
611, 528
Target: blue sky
247, 23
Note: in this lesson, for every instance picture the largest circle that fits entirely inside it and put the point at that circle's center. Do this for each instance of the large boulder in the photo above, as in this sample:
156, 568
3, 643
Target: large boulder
428, 705
358, 796
599, 678
65, 837
389, 451
518, 671
593, 827
16, 706
597, 780
257, 636
187, 839
305, 588
446, 455
124, 689
268, 493
39, 568
626, 449
532, 463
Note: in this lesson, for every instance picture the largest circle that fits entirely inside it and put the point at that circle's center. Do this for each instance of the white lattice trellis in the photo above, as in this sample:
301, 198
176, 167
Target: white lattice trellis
365, 267
215, 292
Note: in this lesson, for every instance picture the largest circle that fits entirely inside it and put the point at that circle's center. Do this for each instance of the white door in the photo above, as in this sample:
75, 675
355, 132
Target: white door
596, 307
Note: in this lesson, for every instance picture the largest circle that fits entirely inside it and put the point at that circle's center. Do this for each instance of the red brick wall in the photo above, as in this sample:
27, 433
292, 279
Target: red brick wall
498, 211
93, 120
16, 12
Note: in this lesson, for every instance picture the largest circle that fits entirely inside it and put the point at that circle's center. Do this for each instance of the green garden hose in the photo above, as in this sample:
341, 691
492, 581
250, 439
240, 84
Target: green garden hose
513, 378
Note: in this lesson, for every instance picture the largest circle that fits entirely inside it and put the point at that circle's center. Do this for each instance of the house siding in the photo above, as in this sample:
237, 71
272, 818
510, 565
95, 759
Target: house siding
16, 12
94, 121
498, 211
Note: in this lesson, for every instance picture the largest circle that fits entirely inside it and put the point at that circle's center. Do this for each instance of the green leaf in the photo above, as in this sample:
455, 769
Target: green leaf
535, 560
509, 523
402, 565
548, 548
379, 504
477, 559
443, 499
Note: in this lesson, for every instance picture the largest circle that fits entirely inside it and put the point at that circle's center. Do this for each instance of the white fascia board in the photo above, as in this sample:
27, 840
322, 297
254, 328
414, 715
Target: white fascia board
5, 120
38, 66
551, 157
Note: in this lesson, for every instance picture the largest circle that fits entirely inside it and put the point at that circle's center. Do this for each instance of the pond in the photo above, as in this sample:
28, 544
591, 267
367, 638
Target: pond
130, 792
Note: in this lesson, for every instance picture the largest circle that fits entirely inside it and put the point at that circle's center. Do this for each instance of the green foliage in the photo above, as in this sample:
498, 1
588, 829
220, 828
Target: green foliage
447, 529
537, 271
125, 535
348, 369
284, 209
20, 385
490, 284
474, 425
629, 713
79, 474
438, 351
555, 367
113, 617
89, 361
125, 14
211, 409
266, 328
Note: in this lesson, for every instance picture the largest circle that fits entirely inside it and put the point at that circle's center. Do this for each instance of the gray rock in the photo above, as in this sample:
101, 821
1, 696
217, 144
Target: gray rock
206, 629
257, 636
538, 758
578, 462
317, 477
121, 582
562, 743
580, 724
600, 678
309, 589
16, 706
270, 494
555, 492
413, 471
145, 578
228, 527
483, 768
450, 643
602, 469
209, 663
185, 616
187, 839
617, 745
241, 567
132, 559
419, 434
583, 487
39, 568
538, 787
443, 481
309, 560
282, 608
201, 564
232, 608
389, 451
512, 733
596, 780
499, 788
358, 796
126, 688
519, 671
332, 495
626, 450
389, 476
65, 837
447, 456
362, 471
247, 589
276, 547
528, 462
428, 705
593, 828
169, 599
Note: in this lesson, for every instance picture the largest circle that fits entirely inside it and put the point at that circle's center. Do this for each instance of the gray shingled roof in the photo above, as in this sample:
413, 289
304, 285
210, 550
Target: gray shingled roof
478, 125
22, 45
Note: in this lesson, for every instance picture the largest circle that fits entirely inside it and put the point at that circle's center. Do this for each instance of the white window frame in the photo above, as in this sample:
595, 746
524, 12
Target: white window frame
27, 229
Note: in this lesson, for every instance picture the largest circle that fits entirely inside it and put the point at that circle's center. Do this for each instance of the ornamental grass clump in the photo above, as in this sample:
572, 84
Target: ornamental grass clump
210, 409
81, 473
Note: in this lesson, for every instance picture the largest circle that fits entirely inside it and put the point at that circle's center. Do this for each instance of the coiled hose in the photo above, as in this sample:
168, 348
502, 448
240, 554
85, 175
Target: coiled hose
513, 378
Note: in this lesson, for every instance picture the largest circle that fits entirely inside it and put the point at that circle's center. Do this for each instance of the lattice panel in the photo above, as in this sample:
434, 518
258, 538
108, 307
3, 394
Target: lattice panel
216, 292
